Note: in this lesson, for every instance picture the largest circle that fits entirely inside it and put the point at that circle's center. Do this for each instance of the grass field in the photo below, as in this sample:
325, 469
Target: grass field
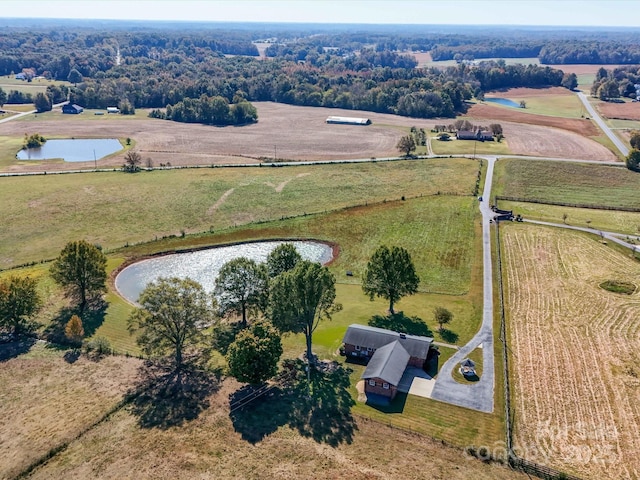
114, 209
260, 443
33, 87
574, 360
458, 147
45, 401
565, 105
587, 184
607, 220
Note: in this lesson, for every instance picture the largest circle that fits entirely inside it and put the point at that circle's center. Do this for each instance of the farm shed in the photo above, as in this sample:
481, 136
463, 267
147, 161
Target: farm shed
362, 341
385, 369
72, 108
348, 120
113, 110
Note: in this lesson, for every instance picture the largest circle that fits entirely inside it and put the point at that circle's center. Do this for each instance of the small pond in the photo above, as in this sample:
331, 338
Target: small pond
502, 101
72, 150
203, 266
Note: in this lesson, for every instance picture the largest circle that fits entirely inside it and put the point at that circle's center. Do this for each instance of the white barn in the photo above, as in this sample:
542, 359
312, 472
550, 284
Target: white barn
348, 120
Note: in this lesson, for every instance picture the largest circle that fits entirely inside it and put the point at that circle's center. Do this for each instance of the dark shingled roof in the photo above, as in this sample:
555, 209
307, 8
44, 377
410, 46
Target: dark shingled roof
374, 338
388, 363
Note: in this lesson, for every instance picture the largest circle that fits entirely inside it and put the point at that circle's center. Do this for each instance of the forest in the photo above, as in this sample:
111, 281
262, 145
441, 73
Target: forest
147, 65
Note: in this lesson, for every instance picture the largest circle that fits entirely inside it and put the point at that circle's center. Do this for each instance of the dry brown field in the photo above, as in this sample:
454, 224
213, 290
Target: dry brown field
575, 365
422, 58
47, 401
622, 111
288, 132
542, 135
580, 69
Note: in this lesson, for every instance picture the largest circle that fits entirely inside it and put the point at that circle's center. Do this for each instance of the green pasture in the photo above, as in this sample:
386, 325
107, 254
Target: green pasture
115, 209
607, 220
88, 115
566, 106
585, 81
467, 147
624, 124
568, 182
19, 107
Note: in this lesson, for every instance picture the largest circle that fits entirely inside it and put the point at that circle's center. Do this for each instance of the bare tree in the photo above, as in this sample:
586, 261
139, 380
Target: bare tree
132, 161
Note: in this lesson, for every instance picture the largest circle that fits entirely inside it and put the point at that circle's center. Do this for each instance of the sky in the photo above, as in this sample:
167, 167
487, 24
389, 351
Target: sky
428, 12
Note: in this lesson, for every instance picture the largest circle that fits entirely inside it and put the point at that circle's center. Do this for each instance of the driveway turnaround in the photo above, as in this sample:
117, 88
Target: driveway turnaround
478, 395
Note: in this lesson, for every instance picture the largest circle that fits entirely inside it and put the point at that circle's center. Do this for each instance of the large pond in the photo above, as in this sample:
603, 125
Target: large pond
502, 101
72, 150
203, 266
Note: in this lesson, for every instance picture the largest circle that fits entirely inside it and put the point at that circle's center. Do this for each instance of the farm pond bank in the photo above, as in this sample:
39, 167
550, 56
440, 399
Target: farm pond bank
502, 101
203, 266
72, 149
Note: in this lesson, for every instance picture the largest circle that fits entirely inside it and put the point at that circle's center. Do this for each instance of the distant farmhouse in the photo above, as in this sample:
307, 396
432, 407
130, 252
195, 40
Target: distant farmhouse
348, 120
482, 136
388, 354
72, 108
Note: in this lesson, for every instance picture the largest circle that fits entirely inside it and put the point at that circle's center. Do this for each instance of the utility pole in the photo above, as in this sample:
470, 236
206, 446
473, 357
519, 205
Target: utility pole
95, 161
275, 152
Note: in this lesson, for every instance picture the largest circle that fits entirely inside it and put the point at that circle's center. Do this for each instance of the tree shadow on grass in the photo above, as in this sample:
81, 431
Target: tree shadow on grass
395, 406
166, 397
16, 347
92, 318
320, 410
399, 322
448, 336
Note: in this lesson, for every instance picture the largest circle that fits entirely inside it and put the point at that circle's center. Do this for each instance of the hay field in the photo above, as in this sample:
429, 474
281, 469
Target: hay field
587, 184
553, 101
283, 131
115, 208
622, 111
574, 363
45, 401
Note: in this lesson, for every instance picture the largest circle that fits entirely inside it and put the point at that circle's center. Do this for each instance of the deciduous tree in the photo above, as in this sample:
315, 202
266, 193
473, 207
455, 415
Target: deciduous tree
301, 298
81, 269
633, 160
442, 316
282, 259
241, 287
132, 161
172, 318
254, 355
73, 330
634, 141
406, 144
42, 103
390, 274
19, 301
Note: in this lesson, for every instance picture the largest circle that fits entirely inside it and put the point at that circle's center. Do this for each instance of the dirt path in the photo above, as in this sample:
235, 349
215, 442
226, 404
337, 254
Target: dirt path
220, 201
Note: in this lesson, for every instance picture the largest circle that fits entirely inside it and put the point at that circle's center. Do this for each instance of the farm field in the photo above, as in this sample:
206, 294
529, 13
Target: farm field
574, 362
567, 182
458, 147
283, 131
115, 208
215, 444
37, 85
45, 401
555, 101
622, 111
606, 220
427, 227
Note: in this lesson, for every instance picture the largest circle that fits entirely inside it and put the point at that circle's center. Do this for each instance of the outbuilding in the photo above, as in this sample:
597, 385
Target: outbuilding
72, 108
348, 120
113, 110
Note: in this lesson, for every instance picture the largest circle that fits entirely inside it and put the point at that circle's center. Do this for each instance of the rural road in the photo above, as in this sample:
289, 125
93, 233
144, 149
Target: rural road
598, 119
478, 395
23, 114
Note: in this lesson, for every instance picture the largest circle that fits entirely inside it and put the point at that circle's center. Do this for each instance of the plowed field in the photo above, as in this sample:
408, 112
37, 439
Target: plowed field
623, 111
575, 365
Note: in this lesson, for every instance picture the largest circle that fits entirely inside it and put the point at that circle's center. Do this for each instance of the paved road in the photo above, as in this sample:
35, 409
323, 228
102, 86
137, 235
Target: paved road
478, 395
598, 119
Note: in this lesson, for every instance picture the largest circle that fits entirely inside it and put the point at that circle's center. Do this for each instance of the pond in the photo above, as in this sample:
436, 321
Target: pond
203, 265
72, 149
503, 101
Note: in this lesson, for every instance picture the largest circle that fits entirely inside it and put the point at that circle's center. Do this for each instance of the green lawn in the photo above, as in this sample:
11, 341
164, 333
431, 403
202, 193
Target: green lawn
115, 209
566, 106
588, 184
467, 147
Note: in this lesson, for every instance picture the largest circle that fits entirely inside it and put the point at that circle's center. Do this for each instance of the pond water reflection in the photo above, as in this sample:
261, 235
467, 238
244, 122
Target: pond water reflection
203, 266
72, 149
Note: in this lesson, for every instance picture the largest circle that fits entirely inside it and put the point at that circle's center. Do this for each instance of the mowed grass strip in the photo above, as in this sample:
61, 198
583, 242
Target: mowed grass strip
46, 401
575, 183
41, 214
467, 147
599, 220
